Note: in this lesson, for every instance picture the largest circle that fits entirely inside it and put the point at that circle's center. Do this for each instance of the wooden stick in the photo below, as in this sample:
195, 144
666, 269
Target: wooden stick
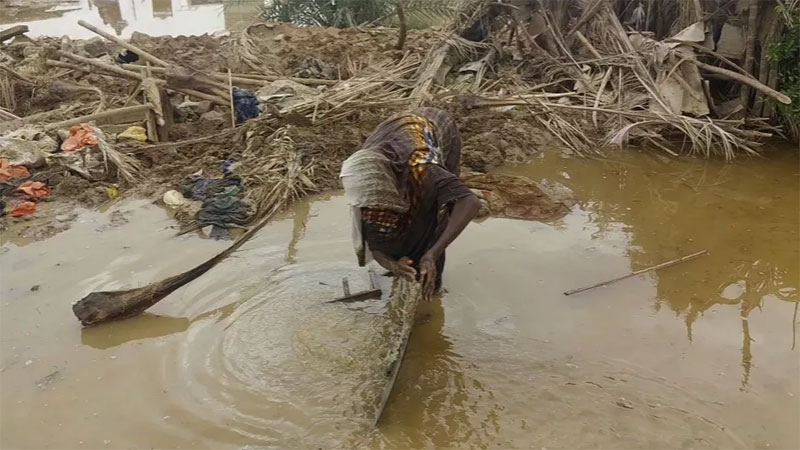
346, 286
166, 145
358, 296
588, 45
638, 272
749, 54
746, 79
246, 77
101, 115
401, 16
146, 56
101, 65
9, 33
708, 51
233, 106
152, 133
126, 74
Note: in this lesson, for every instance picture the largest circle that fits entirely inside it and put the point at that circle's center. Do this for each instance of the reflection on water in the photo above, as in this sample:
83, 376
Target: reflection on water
695, 355
153, 17
745, 213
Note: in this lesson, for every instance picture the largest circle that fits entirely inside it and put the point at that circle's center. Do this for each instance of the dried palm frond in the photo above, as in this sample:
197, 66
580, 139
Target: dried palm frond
274, 173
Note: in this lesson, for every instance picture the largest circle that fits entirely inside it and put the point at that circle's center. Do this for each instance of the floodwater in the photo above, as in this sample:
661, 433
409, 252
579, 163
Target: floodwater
123, 17
699, 355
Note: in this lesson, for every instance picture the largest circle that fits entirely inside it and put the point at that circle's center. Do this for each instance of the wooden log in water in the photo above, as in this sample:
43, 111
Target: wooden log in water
104, 306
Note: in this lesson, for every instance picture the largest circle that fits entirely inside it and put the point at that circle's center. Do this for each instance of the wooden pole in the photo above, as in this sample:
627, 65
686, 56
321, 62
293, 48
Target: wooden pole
245, 78
9, 33
745, 79
127, 74
152, 132
146, 56
101, 65
749, 56
233, 106
639, 272
401, 16
101, 115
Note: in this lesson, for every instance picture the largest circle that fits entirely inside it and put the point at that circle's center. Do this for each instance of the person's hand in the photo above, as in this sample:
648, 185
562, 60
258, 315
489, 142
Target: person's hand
427, 271
403, 268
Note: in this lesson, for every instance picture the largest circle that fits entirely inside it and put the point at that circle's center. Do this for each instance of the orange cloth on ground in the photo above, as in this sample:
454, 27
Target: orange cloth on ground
34, 189
8, 171
80, 136
23, 209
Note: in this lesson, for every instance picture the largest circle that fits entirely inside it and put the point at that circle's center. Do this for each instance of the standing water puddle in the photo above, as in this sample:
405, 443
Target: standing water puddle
153, 17
696, 355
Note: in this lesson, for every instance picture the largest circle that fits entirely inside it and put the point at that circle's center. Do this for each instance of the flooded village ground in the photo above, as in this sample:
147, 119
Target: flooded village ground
700, 355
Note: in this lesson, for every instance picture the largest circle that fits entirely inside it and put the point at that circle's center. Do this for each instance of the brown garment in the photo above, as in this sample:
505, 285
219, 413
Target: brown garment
438, 189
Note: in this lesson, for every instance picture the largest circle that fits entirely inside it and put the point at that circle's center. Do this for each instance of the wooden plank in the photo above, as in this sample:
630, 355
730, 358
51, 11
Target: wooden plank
9, 33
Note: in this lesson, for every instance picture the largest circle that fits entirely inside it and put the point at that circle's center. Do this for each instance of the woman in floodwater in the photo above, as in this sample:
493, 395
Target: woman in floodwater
407, 202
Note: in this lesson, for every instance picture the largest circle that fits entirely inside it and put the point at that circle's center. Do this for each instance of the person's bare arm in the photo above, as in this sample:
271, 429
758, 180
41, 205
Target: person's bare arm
464, 210
399, 267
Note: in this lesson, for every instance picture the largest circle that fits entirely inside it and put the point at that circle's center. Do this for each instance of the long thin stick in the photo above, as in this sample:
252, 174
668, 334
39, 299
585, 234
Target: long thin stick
102, 115
638, 272
128, 45
748, 80
233, 106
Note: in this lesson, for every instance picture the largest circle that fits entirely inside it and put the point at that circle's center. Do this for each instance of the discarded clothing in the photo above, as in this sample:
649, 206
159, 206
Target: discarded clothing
200, 187
22, 209
245, 103
126, 57
221, 203
8, 170
35, 189
80, 136
88, 154
222, 210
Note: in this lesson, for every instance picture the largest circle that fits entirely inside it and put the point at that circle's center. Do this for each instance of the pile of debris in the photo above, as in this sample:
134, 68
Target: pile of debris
289, 103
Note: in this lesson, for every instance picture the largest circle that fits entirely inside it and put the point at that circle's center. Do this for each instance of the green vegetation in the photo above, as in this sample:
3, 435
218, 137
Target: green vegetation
345, 13
785, 52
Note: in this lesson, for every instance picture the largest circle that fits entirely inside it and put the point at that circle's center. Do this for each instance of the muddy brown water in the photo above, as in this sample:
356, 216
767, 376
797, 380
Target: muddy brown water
153, 17
698, 355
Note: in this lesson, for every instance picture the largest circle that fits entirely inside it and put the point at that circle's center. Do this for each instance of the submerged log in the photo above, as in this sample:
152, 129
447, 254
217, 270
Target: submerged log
104, 306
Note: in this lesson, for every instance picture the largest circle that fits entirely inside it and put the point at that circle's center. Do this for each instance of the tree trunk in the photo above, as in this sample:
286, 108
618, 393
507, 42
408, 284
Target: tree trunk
750, 46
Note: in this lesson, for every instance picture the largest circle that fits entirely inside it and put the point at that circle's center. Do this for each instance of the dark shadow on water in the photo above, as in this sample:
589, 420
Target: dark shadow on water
145, 326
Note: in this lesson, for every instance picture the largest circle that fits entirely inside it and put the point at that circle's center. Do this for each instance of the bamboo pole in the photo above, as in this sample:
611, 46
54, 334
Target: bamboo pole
145, 55
588, 45
101, 115
639, 272
245, 78
749, 56
233, 106
746, 79
133, 76
101, 65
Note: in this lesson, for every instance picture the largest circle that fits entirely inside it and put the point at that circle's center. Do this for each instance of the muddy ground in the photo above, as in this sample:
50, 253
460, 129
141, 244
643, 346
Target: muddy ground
490, 138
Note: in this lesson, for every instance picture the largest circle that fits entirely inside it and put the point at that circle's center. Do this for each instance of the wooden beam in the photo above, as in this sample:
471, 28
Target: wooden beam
101, 115
146, 56
9, 33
